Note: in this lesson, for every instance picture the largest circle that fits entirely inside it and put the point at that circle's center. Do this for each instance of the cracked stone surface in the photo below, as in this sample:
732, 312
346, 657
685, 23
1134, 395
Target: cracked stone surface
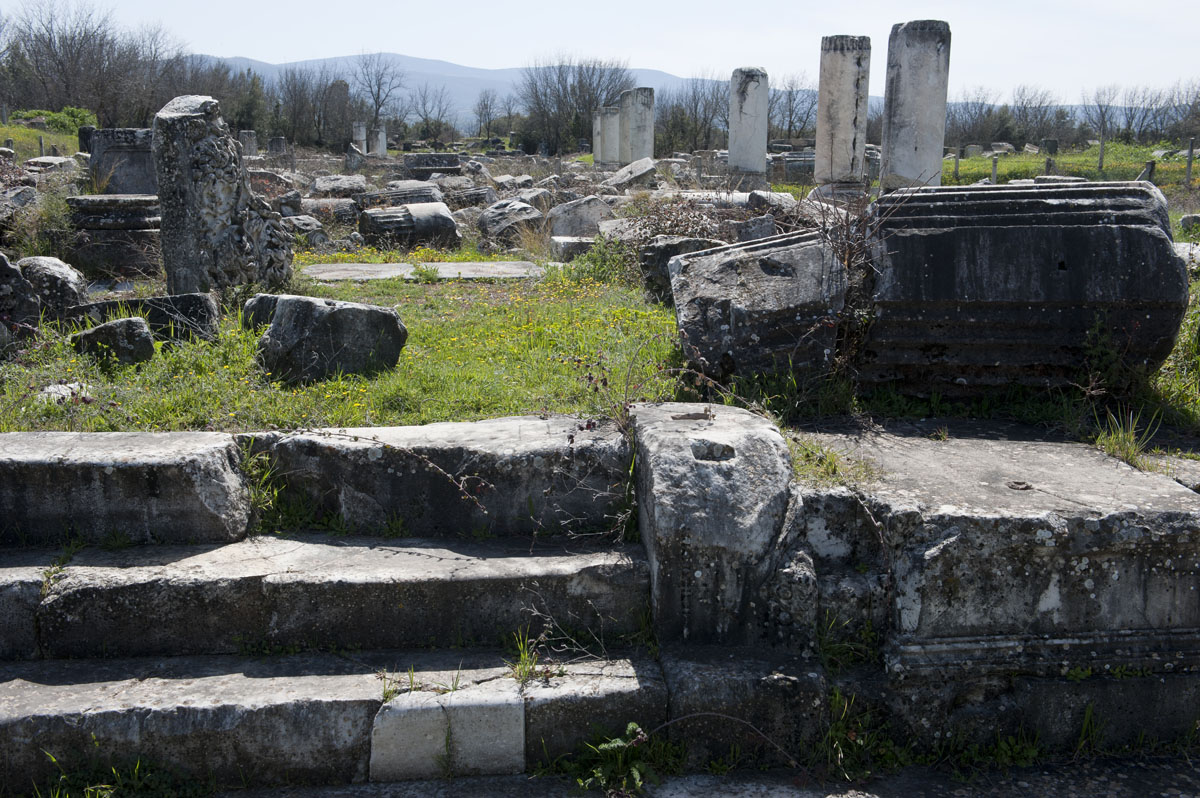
318, 591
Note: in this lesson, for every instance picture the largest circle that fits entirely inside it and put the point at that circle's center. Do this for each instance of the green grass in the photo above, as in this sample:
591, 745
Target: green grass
468, 253
1121, 162
25, 141
474, 351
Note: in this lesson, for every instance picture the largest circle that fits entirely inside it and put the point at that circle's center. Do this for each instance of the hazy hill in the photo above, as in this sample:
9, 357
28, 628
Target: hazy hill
463, 83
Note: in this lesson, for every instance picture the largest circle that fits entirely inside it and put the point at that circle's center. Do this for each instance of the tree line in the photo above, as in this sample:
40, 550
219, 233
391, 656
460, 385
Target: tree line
56, 54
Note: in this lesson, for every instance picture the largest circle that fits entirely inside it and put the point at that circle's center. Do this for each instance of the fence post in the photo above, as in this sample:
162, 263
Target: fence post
1187, 178
4, 114
995, 161
956, 166
41, 146
1049, 166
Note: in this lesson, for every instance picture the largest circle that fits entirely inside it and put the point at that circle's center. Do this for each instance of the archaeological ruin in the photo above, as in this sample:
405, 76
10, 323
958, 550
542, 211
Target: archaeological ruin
740, 572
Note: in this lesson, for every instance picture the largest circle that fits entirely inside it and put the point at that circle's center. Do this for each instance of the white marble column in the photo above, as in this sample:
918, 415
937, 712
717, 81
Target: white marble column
842, 109
914, 112
749, 97
610, 122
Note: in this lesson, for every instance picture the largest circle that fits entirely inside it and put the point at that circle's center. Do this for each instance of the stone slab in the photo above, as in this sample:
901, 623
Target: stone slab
565, 709
771, 706
268, 720
1005, 540
313, 591
472, 731
146, 487
482, 270
23, 575
524, 475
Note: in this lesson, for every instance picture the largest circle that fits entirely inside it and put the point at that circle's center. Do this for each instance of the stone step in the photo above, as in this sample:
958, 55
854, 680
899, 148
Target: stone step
146, 487
312, 592
320, 719
520, 476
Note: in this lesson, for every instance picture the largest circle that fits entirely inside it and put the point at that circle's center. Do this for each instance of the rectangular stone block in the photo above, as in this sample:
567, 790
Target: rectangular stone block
473, 731
147, 487
521, 475
262, 721
564, 711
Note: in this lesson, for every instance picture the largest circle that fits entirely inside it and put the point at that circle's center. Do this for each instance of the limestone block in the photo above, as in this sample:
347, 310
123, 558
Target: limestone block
58, 285
127, 340
782, 697
179, 486
215, 230
338, 186
312, 230
477, 730
429, 223
710, 534
232, 720
503, 220
179, 317
530, 474
654, 257
767, 306
579, 217
19, 303
638, 173
563, 711
994, 285
122, 161
310, 338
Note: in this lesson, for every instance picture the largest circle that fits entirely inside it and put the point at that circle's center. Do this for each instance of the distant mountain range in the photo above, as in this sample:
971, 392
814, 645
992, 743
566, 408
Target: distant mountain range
463, 84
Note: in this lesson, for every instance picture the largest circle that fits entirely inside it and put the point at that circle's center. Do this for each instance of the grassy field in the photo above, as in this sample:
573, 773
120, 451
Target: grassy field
1121, 162
474, 351
25, 141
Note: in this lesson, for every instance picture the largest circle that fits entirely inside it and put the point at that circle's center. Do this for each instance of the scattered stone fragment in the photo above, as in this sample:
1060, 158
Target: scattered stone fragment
178, 316
429, 223
579, 217
304, 225
127, 340
338, 186
310, 339
655, 256
503, 220
58, 285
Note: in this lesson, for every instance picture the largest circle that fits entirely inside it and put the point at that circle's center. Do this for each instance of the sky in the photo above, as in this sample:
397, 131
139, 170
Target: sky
1066, 46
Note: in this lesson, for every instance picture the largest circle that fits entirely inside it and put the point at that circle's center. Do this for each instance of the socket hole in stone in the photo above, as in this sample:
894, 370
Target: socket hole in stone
1062, 265
712, 450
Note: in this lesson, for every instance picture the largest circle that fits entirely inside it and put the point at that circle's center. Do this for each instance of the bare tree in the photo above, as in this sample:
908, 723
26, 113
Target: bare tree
970, 118
1099, 112
561, 96
793, 105
485, 111
297, 91
434, 111
379, 82
1142, 113
1033, 112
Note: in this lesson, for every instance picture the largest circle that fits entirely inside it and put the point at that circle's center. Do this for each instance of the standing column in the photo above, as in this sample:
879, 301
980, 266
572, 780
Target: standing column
381, 142
597, 138
749, 97
610, 122
640, 110
249, 140
625, 119
914, 110
360, 136
842, 109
